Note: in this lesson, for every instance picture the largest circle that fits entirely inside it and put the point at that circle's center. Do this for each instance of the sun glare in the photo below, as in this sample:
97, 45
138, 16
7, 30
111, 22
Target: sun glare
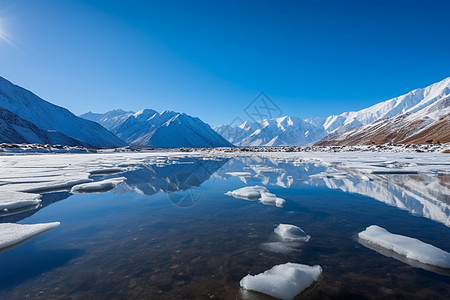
3, 35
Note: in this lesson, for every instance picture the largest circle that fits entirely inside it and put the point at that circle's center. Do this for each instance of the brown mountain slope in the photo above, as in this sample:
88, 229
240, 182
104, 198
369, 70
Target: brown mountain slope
438, 132
429, 125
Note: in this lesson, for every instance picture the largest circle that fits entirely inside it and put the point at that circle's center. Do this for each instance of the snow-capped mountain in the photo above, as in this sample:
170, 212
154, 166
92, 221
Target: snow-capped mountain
421, 116
416, 117
48, 116
411, 102
14, 129
166, 130
272, 132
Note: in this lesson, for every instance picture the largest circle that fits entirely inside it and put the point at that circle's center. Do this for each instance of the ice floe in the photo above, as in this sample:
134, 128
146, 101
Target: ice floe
97, 186
287, 238
282, 281
12, 234
408, 247
257, 193
291, 233
14, 200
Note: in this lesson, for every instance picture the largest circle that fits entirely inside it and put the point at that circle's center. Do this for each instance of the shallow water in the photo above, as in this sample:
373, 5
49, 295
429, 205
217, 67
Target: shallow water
169, 232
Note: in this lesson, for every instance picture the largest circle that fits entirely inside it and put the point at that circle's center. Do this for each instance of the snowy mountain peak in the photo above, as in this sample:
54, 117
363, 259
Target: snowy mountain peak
284, 122
145, 114
281, 131
167, 129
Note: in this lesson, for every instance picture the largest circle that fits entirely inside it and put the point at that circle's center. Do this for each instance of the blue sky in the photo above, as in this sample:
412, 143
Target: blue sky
211, 58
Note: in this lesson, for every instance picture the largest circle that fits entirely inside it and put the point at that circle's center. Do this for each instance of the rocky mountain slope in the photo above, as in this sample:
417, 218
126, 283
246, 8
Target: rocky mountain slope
48, 116
14, 129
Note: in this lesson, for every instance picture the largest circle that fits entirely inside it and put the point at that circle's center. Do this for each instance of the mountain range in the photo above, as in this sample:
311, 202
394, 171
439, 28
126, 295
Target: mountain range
420, 116
26, 118
167, 129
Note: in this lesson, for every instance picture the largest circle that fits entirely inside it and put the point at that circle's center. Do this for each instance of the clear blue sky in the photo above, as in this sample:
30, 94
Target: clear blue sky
211, 58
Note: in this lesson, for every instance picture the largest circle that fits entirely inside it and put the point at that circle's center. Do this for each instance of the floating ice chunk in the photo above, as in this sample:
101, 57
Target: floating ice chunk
98, 186
257, 193
12, 234
239, 174
248, 192
409, 247
14, 200
291, 233
282, 281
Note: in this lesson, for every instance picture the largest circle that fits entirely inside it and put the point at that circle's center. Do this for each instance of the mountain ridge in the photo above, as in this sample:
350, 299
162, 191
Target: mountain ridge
48, 116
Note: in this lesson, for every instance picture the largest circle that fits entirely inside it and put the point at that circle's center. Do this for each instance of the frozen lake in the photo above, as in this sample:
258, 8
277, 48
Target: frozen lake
155, 226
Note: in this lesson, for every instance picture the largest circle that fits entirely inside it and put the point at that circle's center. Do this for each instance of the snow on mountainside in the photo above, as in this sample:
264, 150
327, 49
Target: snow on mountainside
14, 129
411, 102
417, 117
166, 130
48, 116
272, 132
428, 125
424, 118
109, 120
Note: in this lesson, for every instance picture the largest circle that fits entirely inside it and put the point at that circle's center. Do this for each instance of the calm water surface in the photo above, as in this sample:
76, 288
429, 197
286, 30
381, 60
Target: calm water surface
169, 232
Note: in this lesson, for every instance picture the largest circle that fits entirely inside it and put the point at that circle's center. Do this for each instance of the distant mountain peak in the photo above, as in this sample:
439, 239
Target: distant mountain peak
167, 129
145, 113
